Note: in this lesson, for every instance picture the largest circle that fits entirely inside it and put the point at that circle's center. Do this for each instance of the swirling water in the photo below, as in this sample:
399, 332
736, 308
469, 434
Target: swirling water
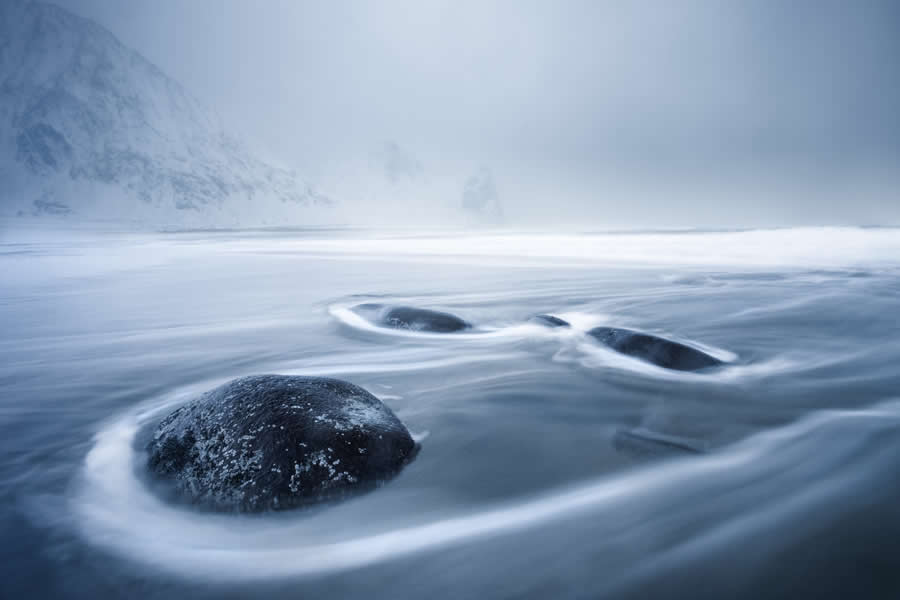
550, 467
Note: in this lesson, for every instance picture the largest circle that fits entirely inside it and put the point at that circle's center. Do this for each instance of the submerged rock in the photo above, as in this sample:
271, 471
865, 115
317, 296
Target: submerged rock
549, 321
642, 441
271, 442
409, 317
659, 351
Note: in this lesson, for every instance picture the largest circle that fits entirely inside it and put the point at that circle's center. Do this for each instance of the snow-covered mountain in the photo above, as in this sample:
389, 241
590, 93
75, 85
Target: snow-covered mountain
92, 130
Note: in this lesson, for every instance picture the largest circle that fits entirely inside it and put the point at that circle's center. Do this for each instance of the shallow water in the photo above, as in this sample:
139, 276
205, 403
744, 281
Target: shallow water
551, 467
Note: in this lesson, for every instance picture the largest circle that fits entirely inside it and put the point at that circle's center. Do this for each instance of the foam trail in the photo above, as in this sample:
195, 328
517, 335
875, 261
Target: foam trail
848, 247
344, 314
383, 367
592, 355
116, 512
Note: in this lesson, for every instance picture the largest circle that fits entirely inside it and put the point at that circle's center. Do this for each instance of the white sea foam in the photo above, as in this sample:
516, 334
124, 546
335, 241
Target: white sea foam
807, 247
115, 511
589, 353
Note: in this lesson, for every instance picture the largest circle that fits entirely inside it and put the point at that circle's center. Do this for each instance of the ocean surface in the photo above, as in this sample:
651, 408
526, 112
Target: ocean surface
551, 467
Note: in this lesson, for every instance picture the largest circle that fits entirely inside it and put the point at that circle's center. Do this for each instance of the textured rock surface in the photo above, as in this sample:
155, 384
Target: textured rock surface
272, 442
414, 319
549, 321
653, 349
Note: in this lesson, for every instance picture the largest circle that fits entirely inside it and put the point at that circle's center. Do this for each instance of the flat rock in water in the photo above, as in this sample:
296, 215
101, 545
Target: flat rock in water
271, 442
412, 318
643, 441
659, 351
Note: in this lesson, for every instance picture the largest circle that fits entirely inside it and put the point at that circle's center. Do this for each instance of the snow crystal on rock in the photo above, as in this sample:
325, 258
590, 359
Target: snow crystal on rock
275, 442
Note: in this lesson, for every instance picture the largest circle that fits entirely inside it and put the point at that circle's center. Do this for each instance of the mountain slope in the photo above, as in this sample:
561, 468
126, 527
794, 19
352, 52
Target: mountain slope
91, 129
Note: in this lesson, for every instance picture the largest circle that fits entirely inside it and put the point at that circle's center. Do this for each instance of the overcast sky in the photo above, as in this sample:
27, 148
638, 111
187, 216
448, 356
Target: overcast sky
706, 112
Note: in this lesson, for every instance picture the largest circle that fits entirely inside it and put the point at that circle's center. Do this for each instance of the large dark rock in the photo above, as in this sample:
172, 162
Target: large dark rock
412, 318
272, 442
653, 349
549, 321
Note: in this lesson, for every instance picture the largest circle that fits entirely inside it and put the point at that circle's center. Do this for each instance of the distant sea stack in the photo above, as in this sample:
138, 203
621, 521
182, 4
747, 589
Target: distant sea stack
480, 199
398, 164
274, 442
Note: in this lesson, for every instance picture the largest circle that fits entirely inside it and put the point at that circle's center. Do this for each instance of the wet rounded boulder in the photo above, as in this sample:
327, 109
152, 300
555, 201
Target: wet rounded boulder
412, 318
272, 442
653, 349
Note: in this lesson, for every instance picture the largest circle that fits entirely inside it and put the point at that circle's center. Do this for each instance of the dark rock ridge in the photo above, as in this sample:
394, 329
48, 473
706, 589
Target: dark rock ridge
659, 351
272, 442
409, 317
549, 321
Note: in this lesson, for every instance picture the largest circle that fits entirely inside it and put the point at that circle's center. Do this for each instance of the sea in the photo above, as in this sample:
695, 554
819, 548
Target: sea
551, 466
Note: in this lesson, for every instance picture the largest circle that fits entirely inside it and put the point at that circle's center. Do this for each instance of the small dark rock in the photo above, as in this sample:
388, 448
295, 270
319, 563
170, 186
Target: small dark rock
409, 317
271, 442
653, 349
549, 321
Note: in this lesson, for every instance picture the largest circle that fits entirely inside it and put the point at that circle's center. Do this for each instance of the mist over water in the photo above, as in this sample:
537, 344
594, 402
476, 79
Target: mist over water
711, 113
551, 466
